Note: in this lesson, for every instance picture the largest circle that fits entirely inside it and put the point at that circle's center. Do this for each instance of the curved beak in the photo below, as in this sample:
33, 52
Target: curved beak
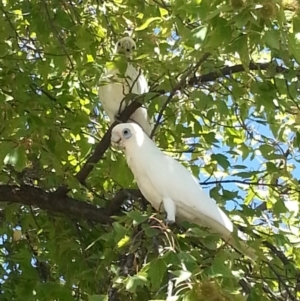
115, 138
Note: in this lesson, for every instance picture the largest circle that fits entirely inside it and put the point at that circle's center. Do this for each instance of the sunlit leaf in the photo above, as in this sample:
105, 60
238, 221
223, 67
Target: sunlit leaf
147, 23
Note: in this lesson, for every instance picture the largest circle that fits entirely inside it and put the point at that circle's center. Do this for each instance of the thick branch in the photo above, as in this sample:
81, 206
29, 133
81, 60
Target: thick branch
28, 195
181, 84
228, 70
115, 204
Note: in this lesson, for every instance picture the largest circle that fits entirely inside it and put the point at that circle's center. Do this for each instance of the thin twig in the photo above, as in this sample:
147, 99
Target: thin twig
59, 39
180, 85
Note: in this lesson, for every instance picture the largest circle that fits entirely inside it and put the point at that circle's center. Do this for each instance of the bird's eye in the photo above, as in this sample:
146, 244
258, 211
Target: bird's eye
126, 133
119, 44
133, 47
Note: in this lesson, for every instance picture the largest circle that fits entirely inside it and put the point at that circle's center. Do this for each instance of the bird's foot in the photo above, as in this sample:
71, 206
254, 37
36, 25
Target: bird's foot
169, 221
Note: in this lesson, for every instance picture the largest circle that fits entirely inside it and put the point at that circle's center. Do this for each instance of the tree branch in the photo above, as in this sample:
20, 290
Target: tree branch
180, 85
33, 196
228, 70
57, 34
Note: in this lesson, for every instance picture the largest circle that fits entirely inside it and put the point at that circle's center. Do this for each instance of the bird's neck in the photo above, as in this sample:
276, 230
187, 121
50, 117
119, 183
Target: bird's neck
138, 157
142, 149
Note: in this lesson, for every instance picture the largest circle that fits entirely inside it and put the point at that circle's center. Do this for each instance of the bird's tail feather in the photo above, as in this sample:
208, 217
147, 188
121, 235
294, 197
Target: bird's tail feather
236, 240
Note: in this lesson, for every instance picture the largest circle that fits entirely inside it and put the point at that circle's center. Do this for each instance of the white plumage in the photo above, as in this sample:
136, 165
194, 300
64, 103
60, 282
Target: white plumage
111, 95
162, 179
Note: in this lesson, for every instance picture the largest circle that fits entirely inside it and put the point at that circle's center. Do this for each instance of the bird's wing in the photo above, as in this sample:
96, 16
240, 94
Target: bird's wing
176, 182
111, 93
172, 180
136, 162
140, 86
138, 79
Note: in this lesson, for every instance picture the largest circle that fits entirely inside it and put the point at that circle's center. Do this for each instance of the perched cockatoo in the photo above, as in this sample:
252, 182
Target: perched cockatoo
112, 95
162, 179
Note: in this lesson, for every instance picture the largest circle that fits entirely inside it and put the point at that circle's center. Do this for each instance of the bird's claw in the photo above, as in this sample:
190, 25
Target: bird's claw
169, 222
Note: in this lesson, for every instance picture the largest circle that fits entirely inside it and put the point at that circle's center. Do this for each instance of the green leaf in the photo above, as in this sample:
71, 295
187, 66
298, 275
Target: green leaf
254, 295
249, 197
230, 195
247, 175
221, 34
17, 158
190, 295
272, 39
150, 232
202, 100
217, 11
156, 273
199, 34
5, 148
221, 159
241, 45
279, 207
138, 217
133, 282
97, 298
147, 23
293, 47
219, 268
210, 138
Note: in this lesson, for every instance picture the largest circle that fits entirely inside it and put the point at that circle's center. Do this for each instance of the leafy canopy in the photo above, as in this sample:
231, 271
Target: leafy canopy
224, 79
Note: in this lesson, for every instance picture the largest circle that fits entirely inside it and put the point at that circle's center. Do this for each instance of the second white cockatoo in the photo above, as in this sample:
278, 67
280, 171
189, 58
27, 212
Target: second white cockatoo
163, 180
113, 89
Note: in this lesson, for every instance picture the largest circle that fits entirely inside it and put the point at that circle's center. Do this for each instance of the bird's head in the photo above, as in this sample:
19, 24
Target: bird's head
124, 135
125, 46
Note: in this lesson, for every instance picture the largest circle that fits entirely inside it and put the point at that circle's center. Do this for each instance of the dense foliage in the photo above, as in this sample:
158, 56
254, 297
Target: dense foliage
224, 79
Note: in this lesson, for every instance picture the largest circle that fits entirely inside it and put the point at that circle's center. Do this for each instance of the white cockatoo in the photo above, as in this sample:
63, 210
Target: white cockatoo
112, 92
163, 180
